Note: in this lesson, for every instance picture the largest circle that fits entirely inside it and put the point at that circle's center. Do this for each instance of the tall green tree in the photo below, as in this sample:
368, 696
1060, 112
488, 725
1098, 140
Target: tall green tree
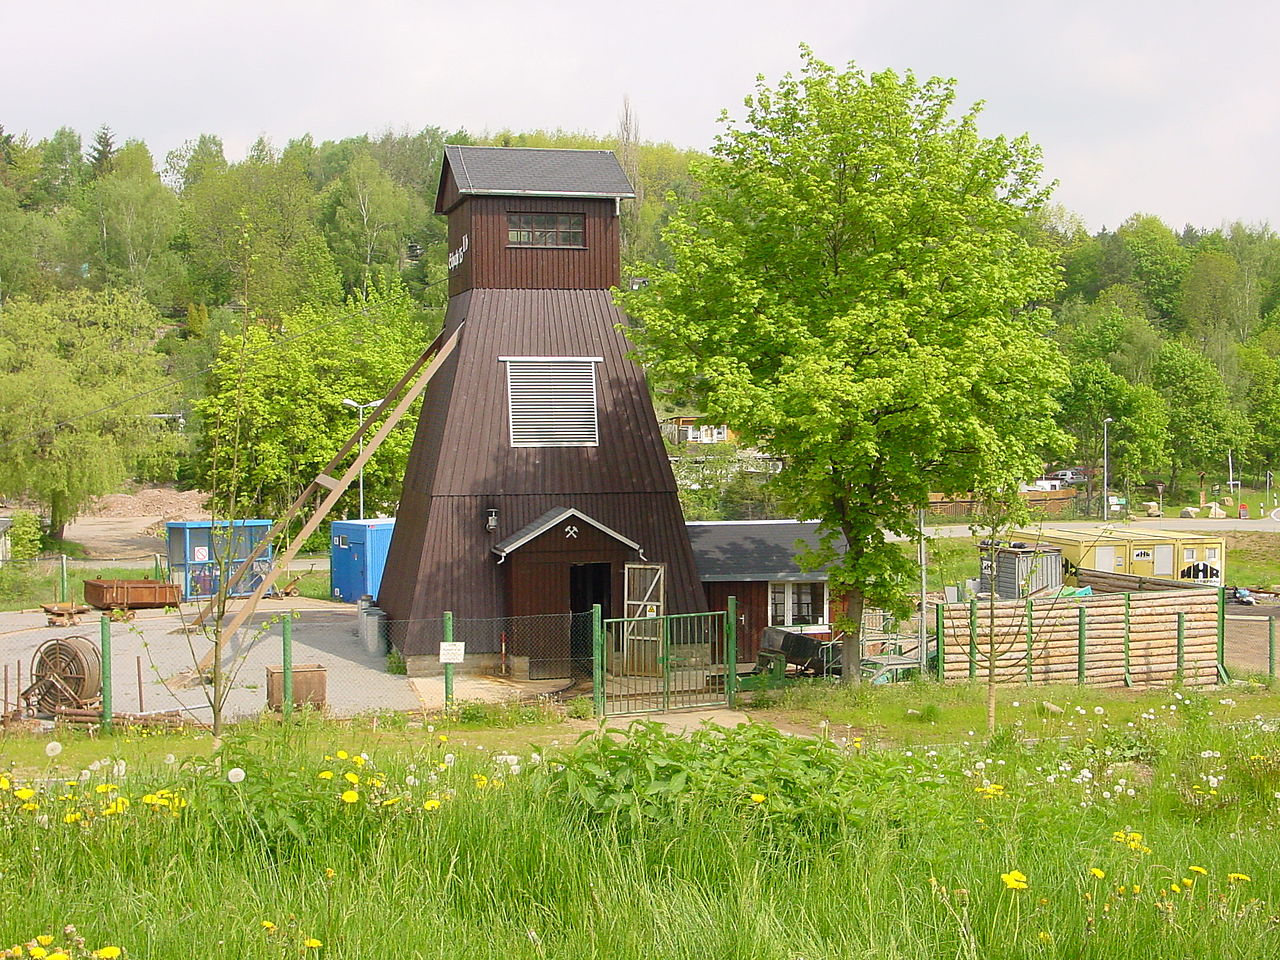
852, 292
367, 217
125, 226
102, 152
1203, 423
273, 414
1160, 262
80, 379
62, 168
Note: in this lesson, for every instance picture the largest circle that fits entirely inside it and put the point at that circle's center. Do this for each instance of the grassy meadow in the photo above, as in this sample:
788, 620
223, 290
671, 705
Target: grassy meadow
1146, 828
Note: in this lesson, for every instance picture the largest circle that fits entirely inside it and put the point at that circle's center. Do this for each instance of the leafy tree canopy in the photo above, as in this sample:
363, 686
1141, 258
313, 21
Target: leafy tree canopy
853, 291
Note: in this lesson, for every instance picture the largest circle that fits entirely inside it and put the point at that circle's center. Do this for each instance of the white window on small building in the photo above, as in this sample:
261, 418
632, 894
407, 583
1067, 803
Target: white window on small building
551, 401
798, 604
1188, 553
1211, 554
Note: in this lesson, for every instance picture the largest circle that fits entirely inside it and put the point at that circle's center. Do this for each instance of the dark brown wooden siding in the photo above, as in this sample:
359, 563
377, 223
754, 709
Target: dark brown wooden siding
460, 277
490, 263
753, 611
462, 463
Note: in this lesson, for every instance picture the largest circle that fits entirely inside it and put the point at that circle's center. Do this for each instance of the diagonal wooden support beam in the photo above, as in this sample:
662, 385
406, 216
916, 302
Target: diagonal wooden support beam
281, 561
325, 480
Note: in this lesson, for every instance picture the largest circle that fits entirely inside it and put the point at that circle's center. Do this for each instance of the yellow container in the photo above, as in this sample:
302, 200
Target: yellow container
1185, 555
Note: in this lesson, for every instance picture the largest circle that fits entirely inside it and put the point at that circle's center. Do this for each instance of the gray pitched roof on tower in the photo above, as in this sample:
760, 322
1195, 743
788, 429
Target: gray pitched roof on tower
538, 172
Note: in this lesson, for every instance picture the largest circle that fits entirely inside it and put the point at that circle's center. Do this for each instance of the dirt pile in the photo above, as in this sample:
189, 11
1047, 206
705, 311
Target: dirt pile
163, 502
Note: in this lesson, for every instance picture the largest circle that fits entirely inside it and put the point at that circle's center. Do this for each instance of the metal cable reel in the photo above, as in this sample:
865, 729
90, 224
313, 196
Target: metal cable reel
66, 672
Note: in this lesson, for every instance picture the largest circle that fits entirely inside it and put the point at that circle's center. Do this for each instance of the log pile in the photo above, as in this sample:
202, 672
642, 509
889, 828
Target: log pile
171, 719
1054, 639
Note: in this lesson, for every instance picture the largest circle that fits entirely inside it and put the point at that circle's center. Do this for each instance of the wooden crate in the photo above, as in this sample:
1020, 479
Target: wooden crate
310, 685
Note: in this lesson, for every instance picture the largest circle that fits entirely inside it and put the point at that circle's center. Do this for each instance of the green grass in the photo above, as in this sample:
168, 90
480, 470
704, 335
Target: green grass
926, 712
747, 844
1253, 558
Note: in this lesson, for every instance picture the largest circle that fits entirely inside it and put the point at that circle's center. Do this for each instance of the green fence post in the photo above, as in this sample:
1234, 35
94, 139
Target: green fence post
1182, 641
448, 667
940, 630
157, 569
597, 659
973, 639
1271, 649
1223, 676
1128, 677
286, 660
107, 709
1082, 642
1030, 637
62, 579
731, 652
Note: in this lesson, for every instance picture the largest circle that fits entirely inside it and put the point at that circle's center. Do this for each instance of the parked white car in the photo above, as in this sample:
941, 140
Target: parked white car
1068, 476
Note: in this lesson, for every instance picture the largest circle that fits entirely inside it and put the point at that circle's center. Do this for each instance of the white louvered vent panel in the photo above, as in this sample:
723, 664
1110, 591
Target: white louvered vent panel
552, 403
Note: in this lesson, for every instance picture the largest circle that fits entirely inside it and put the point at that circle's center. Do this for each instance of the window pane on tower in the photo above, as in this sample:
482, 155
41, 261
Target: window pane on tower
552, 401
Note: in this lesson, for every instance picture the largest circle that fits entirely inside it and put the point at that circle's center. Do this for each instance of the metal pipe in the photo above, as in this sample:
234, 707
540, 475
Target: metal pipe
448, 667
141, 703
286, 666
1082, 642
105, 631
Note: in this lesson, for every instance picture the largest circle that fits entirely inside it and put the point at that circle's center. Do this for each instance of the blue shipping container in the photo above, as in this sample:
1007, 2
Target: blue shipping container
357, 556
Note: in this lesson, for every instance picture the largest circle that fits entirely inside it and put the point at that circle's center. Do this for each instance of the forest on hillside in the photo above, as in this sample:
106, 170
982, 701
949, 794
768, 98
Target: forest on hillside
156, 313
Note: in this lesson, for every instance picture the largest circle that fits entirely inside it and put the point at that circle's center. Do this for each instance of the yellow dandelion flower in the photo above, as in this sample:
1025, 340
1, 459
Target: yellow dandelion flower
29, 806
312, 943
105, 788
1137, 888
1100, 874
107, 953
268, 925
350, 796
351, 777
358, 760
343, 755
391, 801
57, 955
1200, 870
37, 952
326, 774
74, 816
1238, 877
1014, 880
431, 805
758, 798
4, 783
44, 939
1188, 882
26, 793
330, 873
442, 738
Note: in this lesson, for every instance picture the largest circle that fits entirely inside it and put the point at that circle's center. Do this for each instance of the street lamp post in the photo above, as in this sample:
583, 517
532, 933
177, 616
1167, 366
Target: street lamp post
360, 408
1106, 470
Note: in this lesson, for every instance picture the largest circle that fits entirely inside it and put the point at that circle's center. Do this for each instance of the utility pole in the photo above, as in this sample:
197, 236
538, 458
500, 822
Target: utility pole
1106, 470
360, 408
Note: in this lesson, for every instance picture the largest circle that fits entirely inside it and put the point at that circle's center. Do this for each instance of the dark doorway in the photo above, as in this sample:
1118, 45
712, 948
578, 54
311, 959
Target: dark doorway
589, 584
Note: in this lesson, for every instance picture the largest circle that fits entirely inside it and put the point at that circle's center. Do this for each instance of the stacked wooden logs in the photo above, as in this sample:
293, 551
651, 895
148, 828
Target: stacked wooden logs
1052, 648
87, 715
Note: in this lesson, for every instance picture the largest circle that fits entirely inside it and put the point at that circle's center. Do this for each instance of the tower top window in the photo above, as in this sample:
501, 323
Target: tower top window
546, 230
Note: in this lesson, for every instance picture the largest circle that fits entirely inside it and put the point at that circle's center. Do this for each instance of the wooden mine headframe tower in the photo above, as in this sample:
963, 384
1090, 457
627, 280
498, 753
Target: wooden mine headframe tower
538, 482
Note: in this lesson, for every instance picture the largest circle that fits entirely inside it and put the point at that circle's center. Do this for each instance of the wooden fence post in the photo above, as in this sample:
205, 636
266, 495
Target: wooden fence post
973, 639
1182, 642
1082, 635
1128, 677
940, 630
1030, 636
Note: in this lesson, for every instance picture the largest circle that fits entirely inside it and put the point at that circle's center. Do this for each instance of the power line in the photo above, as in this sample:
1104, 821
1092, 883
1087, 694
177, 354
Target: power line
174, 381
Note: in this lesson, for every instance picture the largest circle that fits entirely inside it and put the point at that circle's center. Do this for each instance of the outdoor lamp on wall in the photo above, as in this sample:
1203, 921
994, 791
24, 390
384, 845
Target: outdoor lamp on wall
491, 520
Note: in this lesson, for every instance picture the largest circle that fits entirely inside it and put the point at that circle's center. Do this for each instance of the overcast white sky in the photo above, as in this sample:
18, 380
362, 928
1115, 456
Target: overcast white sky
1169, 108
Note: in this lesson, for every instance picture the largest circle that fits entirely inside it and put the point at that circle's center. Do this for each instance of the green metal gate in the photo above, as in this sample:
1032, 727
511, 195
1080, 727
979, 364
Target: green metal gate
653, 664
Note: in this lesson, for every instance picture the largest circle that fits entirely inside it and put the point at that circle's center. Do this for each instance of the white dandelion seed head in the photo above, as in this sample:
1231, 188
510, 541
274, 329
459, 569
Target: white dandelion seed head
235, 775
52, 748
